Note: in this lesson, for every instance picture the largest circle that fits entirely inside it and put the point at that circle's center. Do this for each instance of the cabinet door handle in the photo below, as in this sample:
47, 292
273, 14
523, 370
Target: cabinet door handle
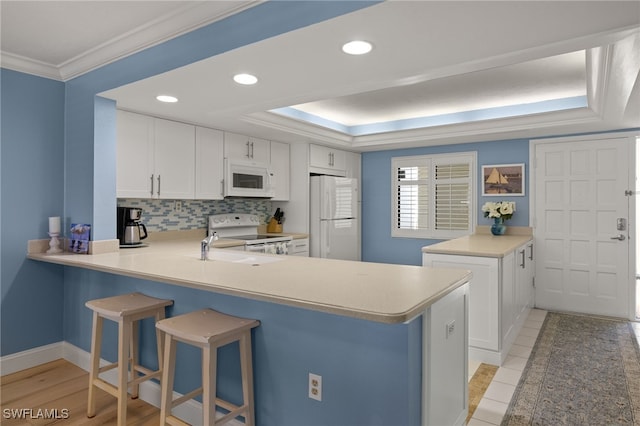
251, 149
523, 258
531, 252
152, 185
248, 155
158, 185
222, 187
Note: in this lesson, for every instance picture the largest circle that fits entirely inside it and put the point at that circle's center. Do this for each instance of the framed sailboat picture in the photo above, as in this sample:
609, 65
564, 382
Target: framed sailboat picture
503, 180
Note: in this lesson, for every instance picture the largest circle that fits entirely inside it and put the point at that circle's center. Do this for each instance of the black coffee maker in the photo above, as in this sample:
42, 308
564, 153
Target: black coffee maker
130, 231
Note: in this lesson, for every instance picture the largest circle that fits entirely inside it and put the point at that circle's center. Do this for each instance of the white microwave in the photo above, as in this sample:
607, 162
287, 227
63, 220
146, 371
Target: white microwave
247, 179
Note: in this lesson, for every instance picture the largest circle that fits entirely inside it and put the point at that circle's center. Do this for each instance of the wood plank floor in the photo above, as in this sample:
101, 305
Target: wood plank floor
478, 385
60, 385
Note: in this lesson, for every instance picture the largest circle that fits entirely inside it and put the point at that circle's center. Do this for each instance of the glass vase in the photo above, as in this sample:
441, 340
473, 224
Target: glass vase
498, 227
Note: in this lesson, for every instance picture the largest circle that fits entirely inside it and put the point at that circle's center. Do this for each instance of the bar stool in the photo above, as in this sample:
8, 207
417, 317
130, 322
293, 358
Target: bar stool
208, 330
127, 310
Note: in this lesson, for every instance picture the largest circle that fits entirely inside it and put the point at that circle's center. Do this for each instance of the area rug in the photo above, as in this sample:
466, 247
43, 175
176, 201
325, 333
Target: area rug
581, 371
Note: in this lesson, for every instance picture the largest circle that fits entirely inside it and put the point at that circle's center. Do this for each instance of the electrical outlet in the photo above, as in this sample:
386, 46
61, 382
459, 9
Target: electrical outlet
177, 206
315, 387
450, 328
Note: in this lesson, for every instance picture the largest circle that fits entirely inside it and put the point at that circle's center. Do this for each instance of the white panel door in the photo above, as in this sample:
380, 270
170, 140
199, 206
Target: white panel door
579, 196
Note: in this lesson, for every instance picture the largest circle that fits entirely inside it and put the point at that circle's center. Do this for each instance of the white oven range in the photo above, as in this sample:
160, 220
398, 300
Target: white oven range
243, 226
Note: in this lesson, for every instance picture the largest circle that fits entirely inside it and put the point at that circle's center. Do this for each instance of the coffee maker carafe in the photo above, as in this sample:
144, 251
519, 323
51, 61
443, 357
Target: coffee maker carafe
130, 231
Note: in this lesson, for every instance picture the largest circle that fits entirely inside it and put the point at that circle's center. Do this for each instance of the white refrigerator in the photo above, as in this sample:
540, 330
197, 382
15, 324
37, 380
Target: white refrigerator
334, 223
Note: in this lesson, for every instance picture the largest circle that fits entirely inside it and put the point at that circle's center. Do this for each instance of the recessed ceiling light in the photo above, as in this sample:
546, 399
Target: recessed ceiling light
357, 47
167, 98
246, 79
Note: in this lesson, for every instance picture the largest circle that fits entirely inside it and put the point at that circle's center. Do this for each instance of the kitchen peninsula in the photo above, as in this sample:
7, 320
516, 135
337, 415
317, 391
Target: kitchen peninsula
350, 322
501, 289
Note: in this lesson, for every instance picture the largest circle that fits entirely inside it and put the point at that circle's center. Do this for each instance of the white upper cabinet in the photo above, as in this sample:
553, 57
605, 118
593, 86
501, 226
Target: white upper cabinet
241, 147
175, 159
280, 169
209, 164
156, 158
159, 158
324, 160
353, 167
135, 140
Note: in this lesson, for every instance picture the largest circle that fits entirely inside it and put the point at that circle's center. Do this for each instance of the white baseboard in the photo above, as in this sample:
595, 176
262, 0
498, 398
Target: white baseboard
190, 411
30, 358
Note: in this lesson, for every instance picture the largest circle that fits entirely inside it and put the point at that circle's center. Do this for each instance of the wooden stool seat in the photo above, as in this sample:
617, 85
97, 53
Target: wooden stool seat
127, 310
208, 330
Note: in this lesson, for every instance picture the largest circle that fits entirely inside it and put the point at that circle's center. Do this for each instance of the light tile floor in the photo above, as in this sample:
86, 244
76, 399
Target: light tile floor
495, 401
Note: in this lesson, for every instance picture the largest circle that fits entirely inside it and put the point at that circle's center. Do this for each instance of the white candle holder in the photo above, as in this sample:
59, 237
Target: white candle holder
54, 243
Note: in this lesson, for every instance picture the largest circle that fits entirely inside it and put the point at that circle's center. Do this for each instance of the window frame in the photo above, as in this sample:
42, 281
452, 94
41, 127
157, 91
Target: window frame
431, 160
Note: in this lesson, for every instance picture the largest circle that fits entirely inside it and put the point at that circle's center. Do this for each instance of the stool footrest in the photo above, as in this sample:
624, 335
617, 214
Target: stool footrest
186, 397
113, 390
107, 367
150, 375
231, 415
105, 386
174, 421
229, 406
144, 370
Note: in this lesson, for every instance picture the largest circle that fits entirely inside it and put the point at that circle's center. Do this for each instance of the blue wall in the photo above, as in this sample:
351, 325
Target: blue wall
32, 185
83, 180
371, 372
62, 148
57, 159
377, 243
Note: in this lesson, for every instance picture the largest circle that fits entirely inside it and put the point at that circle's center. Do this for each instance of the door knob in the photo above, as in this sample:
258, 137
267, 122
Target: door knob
619, 237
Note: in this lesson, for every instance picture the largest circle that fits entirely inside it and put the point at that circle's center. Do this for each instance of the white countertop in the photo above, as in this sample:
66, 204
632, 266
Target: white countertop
480, 244
372, 291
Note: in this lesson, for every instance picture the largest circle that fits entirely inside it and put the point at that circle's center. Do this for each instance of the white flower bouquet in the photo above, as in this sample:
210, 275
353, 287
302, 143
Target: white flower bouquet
502, 209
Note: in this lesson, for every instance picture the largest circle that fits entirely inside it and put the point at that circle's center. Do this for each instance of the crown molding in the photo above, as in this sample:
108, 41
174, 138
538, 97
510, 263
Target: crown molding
501, 128
512, 127
29, 66
171, 25
300, 128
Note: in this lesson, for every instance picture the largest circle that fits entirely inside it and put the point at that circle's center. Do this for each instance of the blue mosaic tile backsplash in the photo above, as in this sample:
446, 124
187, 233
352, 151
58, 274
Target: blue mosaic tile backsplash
159, 215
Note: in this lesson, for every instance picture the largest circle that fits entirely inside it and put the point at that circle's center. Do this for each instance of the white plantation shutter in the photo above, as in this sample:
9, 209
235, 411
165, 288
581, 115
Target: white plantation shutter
433, 195
412, 192
453, 193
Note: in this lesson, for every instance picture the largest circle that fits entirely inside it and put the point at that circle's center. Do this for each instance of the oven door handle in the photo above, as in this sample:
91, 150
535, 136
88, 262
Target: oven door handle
256, 248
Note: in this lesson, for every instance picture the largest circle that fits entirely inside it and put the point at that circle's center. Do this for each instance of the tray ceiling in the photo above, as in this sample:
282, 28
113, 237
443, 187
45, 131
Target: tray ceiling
440, 72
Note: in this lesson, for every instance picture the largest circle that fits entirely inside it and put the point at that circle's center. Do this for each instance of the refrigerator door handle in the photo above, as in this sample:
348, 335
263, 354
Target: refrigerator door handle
326, 247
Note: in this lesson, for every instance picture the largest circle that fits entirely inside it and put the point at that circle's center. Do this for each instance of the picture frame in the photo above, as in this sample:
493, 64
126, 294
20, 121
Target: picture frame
503, 180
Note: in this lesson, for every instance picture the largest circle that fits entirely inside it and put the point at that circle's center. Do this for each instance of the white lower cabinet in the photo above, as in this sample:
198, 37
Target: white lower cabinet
445, 360
299, 247
500, 294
